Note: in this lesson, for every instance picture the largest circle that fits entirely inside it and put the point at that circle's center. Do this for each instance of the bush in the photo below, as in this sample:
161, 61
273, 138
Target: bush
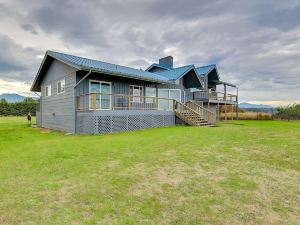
18, 108
290, 112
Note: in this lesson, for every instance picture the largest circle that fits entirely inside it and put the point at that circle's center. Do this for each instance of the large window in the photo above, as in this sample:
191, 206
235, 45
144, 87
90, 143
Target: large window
167, 94
101, 99
61, 86
150, 92
48, 90
135, 90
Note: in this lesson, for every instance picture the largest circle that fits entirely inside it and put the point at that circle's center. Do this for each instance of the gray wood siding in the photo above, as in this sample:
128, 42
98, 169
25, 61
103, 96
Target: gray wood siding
58, 110
119, 85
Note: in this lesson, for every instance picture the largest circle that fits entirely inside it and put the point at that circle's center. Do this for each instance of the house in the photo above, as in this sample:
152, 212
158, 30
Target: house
81, 95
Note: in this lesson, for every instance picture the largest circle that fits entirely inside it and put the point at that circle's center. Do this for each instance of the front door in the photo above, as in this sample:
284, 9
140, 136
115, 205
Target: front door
103, 94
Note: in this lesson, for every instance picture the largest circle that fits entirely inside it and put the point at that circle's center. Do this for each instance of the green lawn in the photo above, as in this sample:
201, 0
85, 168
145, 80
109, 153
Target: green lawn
246, 172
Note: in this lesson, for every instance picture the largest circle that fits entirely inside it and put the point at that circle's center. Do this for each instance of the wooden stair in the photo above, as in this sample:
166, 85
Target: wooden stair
190, 115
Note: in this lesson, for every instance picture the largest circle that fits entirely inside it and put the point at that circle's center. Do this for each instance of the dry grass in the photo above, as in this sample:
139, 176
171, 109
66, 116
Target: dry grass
249, 116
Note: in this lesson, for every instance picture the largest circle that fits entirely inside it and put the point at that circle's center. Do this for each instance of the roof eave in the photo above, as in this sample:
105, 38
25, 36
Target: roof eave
34, 87
126, 75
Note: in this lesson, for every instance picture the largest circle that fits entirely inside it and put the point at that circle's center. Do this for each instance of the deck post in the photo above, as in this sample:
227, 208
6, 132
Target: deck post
94, 100
237, 103
225, 92
208, 113
153, 103
231, 111
225, 111
218, 112
129, 102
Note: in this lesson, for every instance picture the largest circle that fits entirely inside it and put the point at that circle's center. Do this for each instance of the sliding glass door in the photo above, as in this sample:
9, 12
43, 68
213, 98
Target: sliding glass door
103, 95
166, 94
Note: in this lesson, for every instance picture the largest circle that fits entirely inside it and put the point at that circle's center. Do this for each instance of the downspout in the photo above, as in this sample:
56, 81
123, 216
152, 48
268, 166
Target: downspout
75, 105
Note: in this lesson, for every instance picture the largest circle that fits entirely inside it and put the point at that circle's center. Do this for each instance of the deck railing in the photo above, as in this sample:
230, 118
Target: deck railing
215, 96
94, 101
203, 112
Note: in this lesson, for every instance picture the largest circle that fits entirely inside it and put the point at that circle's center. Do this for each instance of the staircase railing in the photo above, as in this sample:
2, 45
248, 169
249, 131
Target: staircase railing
187, 114
206, 114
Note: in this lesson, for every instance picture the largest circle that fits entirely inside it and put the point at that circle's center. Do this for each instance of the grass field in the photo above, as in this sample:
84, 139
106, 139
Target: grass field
246, 172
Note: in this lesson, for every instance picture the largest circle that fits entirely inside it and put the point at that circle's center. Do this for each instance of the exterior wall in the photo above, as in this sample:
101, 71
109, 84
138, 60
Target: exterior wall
119, 85
38, 119
109, 121
58, 110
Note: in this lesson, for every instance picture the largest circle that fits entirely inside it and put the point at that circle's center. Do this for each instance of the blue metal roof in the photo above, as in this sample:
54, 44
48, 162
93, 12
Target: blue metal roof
164, 66
175, 73
205, 69
99, 66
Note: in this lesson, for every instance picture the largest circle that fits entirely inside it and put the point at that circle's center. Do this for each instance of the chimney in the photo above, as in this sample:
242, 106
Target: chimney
166, 61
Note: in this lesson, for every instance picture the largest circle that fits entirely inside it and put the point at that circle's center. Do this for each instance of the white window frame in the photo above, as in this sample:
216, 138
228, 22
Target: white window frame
100, 82
48, 90
141, 91
61, 81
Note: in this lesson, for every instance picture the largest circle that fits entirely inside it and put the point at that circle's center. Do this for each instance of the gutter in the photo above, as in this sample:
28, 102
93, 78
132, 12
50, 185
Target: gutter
79, 82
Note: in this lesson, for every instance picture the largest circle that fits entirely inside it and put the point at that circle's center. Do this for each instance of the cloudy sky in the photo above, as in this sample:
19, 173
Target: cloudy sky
255, 44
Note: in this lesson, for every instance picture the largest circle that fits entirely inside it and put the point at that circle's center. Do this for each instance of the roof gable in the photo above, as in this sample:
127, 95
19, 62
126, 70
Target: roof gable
211, 71
155, 65
180, 72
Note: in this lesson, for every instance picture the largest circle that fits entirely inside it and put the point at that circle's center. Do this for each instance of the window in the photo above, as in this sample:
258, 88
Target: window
150, 92
166, 94
136, 91
102, 99
48, 90
61, 86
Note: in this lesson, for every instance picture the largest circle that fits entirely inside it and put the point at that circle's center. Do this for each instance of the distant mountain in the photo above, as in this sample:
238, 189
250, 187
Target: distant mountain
246, 105
13, 97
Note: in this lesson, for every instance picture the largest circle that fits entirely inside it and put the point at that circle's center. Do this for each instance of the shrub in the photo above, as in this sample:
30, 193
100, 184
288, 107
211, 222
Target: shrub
290, 112
18, 108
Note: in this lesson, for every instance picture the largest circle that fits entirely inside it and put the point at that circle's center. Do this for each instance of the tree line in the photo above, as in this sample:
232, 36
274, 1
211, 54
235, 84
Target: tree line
291, 112
19, 108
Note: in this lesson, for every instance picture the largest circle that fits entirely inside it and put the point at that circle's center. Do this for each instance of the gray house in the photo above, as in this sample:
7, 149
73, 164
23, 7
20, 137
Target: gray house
81, 95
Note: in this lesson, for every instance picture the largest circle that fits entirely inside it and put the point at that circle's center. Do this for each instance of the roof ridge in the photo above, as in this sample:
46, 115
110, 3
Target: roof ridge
206, 66
183, 66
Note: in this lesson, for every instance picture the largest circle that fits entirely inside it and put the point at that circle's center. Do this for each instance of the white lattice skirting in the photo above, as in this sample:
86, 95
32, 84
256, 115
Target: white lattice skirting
109, 121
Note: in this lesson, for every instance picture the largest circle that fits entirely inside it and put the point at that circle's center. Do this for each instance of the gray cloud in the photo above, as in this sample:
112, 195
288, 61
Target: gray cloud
256, 44
29, 27
17, 62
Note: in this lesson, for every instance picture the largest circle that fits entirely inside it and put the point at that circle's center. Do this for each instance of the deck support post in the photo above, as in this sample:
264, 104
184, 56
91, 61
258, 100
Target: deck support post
218, 112
94, 101
208, 113
231, 112
237, 103
225, 111
225, 94
129, 102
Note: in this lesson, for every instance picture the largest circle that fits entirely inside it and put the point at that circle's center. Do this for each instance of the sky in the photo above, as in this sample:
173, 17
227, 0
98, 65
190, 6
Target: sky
255, 44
